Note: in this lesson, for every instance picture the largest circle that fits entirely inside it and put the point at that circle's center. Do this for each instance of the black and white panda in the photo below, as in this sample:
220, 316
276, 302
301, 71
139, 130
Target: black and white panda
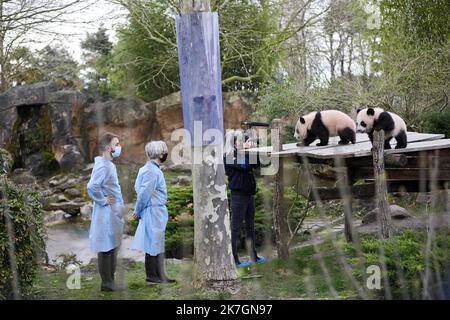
370, 119
323, 124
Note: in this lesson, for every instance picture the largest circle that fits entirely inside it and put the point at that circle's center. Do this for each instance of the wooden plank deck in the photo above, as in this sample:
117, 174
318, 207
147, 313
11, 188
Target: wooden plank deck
362, 148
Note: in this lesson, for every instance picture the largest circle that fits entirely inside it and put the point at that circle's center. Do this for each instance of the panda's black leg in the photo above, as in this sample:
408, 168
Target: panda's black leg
387, 144
402, 140
310, 137
347, 135
324, 138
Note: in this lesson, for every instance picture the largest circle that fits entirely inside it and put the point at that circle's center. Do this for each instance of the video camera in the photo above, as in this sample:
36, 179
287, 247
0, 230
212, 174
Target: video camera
249, 131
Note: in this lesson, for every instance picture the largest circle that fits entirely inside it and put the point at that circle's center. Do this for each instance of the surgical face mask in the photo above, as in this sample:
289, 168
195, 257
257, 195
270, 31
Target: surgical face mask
116, 152
163, 158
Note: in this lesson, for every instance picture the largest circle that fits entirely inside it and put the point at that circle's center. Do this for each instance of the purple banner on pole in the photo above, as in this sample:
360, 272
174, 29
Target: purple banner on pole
200, 73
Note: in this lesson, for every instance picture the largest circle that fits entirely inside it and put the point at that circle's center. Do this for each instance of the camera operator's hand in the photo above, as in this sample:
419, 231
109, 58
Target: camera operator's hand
249, 144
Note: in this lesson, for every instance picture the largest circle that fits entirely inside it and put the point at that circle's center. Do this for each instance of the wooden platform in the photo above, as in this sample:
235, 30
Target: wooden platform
416, 142
423, 152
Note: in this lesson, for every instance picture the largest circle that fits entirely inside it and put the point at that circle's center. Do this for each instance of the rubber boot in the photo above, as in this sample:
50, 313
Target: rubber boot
151, 269
104, 268
113, 263
161, 270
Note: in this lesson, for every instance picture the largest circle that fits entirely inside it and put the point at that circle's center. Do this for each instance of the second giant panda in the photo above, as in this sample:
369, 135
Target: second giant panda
370, 119
323, 124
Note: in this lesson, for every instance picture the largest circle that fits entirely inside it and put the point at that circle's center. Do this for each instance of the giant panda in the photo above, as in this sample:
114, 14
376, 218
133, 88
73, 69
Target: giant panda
370, 119
322, 125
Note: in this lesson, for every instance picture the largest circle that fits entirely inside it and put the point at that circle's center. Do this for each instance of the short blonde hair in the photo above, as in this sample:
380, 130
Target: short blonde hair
155, 149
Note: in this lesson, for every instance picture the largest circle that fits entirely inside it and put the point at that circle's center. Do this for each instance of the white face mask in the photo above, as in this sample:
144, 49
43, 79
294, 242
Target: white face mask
117, 152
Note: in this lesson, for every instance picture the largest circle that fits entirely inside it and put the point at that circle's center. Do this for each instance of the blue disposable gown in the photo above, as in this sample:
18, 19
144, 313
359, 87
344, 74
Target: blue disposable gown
107, 220
151, 208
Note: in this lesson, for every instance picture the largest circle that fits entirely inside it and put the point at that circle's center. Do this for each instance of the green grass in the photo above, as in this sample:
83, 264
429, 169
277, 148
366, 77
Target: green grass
280, 280
302, 276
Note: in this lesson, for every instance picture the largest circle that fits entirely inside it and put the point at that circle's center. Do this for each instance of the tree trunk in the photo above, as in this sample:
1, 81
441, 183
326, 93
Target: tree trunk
198, 45
2, 52
350, 56
279, 214
213, 259
346, 196
332, 58
341, 49
384, 216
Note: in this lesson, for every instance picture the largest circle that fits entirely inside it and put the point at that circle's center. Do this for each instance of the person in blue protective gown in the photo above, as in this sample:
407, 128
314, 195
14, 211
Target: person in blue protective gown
107, 222
152, 212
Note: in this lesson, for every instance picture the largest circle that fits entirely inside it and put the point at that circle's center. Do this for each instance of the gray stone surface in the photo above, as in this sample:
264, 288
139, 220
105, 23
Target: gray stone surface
60, 104
397, 213
184, 180
23, 177
73, 192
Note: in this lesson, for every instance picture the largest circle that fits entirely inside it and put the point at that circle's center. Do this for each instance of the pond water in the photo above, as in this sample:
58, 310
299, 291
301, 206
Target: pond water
73, 238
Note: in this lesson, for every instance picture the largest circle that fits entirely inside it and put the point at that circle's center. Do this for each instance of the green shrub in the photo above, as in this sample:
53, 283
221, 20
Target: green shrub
180, 200
180, 238
438, 122
405, 257
288, 134
6, 162
23, 208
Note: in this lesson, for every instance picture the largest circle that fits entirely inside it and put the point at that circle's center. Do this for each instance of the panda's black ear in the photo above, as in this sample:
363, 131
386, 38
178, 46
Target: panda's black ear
302, 120
358, 110
370, 112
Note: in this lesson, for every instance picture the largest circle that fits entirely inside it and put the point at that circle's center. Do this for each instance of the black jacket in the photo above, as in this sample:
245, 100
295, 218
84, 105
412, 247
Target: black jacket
241, 178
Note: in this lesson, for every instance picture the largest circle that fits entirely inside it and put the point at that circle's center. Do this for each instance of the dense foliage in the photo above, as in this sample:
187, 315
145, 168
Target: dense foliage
21, 237
145, 59
407, 259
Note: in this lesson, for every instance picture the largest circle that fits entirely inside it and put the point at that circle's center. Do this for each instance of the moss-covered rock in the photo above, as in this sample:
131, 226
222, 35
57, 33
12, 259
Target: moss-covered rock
31, 143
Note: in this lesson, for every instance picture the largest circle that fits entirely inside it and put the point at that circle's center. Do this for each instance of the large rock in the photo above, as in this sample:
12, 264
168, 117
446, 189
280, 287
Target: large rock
53, 217
73, 193
70, 158
46, 126
138, 122
184, 180
399, 213
396, 212
36, 126
132, 119
181, 167
23, 177
70, 207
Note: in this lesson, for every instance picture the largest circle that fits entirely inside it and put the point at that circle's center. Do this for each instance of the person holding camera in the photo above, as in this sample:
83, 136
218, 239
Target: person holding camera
242, 184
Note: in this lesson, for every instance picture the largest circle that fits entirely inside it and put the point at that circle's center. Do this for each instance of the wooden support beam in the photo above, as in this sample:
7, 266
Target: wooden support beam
395, 160
397, 174
346, 196
367, 190
279, 214
383, 214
